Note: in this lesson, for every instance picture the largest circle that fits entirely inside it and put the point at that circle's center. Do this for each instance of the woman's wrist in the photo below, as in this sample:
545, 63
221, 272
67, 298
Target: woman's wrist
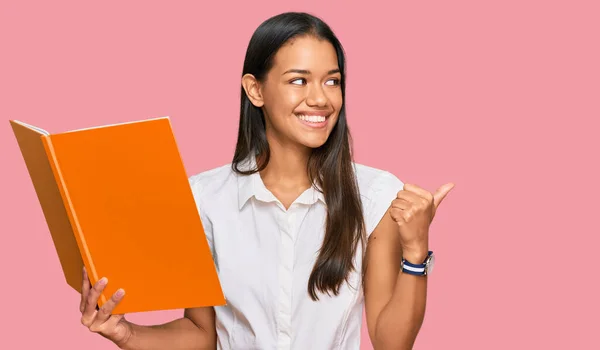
415, 255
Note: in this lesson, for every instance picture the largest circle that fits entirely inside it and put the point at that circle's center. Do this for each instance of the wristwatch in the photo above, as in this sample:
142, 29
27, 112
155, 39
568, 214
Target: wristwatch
423, 269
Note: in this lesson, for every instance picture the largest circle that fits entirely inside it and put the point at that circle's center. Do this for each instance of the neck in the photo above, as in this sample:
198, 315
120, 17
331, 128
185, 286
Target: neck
287, 166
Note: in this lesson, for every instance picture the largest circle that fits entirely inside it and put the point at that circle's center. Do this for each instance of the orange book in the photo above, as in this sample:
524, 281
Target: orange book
117, 199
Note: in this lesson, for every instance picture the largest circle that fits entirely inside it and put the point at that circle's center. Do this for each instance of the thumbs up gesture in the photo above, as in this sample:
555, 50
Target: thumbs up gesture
413, 210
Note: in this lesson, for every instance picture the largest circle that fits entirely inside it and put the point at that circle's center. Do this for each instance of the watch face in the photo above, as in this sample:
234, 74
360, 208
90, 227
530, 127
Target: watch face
430, 264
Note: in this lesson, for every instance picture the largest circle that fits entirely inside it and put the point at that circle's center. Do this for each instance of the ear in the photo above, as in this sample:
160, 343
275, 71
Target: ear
252, 88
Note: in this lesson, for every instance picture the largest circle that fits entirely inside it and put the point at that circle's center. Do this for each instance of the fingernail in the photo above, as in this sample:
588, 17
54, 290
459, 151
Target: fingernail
120, 293
102, 281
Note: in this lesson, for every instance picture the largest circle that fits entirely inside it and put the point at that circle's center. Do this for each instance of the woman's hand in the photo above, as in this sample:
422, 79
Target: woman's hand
413, 210
101, 321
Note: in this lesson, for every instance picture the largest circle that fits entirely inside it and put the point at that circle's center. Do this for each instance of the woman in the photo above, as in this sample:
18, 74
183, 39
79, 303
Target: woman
288, 220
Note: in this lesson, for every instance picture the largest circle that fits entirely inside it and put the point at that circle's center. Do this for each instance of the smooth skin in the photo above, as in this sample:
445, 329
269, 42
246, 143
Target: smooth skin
304, 79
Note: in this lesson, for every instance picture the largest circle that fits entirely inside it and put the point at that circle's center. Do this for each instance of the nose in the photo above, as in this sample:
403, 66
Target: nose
316, 97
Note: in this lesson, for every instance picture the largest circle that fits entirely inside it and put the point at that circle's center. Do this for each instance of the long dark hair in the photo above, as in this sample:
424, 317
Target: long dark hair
329, 166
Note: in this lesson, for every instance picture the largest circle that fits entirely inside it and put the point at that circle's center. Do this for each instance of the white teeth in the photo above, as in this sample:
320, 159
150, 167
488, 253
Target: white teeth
312, 118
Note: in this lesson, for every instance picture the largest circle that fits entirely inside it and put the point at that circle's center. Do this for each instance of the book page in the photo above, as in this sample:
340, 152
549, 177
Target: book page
40, 130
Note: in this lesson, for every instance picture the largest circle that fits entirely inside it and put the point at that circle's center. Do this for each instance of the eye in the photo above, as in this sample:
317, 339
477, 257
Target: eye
298, 81
333, 82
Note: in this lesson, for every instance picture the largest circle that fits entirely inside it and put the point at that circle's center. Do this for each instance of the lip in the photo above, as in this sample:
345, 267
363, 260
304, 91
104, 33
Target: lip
317, 113
311, 125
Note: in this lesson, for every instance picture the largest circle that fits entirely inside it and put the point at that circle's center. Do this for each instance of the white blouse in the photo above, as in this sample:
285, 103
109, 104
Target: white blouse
264, 255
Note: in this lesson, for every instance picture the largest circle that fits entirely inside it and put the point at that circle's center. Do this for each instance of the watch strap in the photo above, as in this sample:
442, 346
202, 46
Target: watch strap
416, 269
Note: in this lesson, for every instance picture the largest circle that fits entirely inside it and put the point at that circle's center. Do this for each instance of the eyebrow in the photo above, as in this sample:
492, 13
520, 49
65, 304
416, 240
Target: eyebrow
307, 72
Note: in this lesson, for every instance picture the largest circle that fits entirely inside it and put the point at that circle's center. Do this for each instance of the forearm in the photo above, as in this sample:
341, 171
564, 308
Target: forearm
400, 320
395, 300
180, 334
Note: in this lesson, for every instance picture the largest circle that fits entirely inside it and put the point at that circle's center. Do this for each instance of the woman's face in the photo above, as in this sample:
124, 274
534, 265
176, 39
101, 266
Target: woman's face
301, 96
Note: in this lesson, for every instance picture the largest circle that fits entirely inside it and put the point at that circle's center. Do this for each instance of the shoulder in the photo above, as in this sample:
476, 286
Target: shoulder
212, 182
378, 188
373, 180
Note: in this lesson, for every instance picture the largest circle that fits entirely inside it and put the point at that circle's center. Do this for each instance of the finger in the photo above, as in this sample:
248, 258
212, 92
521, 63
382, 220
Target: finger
397, 215
410, 197
85, 289
107, 308
89, 312
423, 193
441, 193
401, 203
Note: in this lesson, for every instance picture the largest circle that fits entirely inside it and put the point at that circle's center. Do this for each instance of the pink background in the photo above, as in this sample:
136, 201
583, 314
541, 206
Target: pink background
503, 99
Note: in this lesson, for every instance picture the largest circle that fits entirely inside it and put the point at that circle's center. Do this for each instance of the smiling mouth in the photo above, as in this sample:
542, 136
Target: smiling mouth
312, 118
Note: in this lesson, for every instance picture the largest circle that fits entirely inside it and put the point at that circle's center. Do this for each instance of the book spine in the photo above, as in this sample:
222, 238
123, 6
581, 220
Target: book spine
64, 192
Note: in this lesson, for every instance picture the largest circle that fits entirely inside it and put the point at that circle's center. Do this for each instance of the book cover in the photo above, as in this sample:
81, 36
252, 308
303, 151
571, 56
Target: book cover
117, 199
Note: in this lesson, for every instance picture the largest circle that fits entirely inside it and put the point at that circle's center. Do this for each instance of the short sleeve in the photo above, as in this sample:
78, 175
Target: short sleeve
382, 190
206, 223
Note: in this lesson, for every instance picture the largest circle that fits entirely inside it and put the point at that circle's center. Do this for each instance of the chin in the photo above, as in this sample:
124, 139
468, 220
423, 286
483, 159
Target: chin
313, 142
